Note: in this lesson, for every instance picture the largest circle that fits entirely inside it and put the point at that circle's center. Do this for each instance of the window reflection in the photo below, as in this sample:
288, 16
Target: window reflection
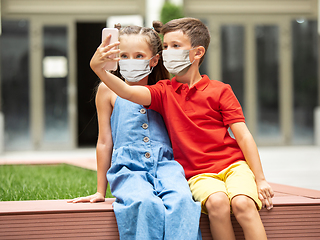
15, 84
232, 59
305, 58
56, 93
267, 57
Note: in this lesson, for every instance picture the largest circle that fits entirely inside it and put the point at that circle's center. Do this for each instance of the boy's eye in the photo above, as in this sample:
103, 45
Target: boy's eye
165, 47
176, 45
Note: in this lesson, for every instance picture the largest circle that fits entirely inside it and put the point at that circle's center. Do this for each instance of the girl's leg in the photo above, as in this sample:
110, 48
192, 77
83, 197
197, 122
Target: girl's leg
182, 214
246, 213
139, 212
218, 207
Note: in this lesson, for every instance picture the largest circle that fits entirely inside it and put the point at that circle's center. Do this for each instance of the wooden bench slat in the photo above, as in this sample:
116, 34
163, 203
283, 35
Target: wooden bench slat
296, 215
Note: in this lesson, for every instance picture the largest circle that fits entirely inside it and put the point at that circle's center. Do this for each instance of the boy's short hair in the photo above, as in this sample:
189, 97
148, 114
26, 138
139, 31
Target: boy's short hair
197, 31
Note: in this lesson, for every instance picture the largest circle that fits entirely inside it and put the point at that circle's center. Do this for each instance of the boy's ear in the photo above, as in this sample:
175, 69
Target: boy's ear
154, 61
200, 51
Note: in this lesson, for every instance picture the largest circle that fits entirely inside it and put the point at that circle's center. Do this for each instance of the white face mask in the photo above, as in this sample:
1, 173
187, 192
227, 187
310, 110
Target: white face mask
134, 70
177, 62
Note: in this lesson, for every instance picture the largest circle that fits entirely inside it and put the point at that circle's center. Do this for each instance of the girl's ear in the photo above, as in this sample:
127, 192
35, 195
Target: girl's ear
154, 61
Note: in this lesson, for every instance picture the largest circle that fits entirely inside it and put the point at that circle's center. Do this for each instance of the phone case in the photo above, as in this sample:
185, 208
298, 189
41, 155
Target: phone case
112, 65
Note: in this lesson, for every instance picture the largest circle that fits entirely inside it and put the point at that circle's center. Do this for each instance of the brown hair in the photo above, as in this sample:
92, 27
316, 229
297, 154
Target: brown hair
153, 39
197, 31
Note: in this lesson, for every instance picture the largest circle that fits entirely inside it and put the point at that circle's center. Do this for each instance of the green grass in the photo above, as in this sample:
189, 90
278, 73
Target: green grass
46, 182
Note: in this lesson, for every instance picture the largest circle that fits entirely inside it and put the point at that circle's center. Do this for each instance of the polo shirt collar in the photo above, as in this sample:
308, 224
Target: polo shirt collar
201, 85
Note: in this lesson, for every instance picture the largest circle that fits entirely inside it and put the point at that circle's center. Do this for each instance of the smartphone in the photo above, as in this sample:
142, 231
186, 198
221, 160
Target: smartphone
112, 65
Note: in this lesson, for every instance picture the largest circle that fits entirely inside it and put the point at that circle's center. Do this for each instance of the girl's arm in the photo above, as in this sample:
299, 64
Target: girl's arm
104, 102
251, 154
138, 94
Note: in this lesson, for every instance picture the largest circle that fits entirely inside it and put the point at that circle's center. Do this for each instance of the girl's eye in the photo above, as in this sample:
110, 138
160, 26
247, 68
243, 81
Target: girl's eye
139, 56
123, 56
176, 45
165, 47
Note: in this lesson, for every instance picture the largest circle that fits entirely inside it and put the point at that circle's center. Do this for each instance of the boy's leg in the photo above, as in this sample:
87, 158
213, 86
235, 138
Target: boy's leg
182, 214
242, 191
139, 212
218, 207
245, 211
210, 190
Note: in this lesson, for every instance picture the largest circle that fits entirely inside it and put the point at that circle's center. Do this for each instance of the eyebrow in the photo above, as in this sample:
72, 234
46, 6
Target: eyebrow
134, 53
173, 42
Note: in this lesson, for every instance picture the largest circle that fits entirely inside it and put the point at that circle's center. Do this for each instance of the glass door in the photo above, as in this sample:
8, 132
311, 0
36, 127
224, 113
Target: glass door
305, 75
251, 64
57, 127
267, 81
15, 83
37, 100
55, 79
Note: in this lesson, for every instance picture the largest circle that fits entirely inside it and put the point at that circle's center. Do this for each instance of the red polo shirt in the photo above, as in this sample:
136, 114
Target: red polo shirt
197, 120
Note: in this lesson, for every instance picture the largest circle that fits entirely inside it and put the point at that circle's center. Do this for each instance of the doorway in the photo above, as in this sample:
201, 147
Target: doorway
88, 39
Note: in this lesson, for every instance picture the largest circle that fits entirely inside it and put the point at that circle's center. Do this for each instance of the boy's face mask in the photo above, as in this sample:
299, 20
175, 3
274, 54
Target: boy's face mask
134, 70
177, 62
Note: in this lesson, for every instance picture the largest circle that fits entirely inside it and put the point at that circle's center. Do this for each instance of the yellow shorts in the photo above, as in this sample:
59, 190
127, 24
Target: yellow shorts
237, 179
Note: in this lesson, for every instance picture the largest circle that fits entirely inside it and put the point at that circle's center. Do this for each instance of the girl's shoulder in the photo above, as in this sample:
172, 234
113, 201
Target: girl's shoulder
105, 94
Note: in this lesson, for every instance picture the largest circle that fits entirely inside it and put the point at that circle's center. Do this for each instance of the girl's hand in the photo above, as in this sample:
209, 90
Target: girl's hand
105, 52
265, 194
97, 197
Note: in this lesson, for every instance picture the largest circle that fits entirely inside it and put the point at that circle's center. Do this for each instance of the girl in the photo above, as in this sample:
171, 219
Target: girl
153, 200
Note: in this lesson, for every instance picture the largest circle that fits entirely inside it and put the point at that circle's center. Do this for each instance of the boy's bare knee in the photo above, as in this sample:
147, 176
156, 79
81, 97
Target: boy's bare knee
242, 204
218, 204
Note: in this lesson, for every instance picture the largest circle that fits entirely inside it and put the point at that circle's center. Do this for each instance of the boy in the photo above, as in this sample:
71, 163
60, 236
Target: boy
221, 171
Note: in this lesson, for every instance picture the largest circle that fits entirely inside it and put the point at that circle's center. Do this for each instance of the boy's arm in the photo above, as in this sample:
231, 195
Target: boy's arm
251, 154
138, 94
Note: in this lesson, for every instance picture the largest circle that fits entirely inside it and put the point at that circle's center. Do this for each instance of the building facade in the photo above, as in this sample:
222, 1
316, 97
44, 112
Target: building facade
47, 86
266, 50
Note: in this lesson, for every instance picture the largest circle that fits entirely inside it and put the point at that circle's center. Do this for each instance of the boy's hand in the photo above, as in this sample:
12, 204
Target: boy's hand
97, 197
104, 53
265, 194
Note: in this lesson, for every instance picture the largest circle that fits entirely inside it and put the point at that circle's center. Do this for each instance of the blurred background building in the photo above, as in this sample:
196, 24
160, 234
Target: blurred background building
267, 50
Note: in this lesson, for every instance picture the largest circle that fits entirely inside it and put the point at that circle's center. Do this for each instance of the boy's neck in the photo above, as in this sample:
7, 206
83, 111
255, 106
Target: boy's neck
191, 77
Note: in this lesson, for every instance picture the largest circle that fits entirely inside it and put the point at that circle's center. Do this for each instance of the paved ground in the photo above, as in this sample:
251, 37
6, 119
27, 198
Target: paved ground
294, 165
80, 157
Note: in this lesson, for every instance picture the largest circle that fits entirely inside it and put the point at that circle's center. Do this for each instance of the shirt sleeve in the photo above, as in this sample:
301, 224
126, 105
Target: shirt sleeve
230, 107
157, 90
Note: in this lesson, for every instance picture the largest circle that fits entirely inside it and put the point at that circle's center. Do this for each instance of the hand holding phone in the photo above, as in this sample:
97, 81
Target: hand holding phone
111, 65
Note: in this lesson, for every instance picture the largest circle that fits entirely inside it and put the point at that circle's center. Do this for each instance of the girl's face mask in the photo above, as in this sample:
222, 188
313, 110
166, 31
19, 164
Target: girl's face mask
177, 62
134, 70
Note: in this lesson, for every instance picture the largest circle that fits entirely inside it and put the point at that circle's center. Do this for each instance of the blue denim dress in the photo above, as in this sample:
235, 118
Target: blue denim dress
153, 199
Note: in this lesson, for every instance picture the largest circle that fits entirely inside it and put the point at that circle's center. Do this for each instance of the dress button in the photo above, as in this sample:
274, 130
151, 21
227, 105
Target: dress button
143, 111
147, 155
146, 139
187, 98
144, 126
